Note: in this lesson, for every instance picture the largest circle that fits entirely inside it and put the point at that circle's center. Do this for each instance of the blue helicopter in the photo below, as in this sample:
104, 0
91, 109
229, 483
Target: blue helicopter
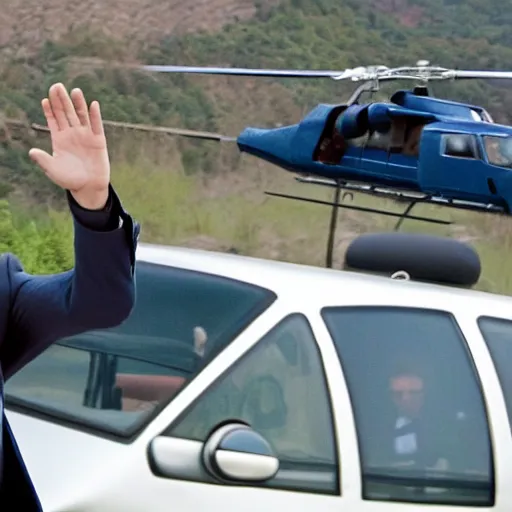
414, 148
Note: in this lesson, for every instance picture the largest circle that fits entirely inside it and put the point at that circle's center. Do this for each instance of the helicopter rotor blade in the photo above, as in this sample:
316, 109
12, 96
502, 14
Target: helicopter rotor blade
423, 72
354, 73
463, 74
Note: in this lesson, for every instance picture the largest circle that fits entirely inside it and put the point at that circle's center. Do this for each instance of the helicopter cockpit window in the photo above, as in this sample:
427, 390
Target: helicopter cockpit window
476, 116
487, 117
483, 115
418, 407
460, 146
498, 150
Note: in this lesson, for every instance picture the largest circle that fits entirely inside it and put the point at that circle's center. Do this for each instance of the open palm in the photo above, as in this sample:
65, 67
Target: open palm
79, 161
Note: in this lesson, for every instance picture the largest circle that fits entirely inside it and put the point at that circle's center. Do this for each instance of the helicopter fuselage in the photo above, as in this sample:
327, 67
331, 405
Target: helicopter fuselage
415, 143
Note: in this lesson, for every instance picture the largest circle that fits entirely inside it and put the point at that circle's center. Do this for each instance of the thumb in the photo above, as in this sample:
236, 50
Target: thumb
41, 158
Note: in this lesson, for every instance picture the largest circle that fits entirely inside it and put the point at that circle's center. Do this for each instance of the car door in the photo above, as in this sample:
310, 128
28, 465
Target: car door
423, 432
254, 431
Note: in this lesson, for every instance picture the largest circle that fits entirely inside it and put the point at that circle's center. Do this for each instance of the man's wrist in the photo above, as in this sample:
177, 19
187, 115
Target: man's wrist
92, 199
107, 218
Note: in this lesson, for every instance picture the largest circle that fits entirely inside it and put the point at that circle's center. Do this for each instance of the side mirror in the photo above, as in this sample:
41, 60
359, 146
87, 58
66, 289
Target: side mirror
236, 452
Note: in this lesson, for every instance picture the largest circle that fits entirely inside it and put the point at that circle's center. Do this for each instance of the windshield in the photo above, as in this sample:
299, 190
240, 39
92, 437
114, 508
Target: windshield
117, 379
98, 390
499, 150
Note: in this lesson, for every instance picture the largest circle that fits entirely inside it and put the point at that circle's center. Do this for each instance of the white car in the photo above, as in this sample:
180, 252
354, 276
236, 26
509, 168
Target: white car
240, 384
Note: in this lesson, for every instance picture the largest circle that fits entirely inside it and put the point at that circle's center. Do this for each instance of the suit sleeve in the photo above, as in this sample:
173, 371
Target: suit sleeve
98, 293
106, 219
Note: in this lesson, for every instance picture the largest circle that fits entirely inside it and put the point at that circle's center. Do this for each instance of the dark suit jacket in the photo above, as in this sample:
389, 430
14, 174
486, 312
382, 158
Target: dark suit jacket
429, 439
35, 311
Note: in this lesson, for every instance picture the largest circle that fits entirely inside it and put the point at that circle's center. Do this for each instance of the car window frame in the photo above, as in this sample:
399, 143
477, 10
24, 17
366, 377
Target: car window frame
338, 491
60, 418
501, 385
466, 345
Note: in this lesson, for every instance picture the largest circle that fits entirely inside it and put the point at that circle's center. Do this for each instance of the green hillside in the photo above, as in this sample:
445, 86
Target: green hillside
330, 34
182, 189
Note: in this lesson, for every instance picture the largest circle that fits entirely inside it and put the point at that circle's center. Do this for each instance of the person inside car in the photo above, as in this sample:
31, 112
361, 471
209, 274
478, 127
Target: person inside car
415, 440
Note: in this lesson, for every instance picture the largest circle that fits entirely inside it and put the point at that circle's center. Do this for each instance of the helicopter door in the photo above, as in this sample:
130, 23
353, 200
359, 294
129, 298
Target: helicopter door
404, 150
353, 153
374, 157
461, 167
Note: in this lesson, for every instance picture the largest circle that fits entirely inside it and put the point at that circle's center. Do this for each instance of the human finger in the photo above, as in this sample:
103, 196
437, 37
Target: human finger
78, 99
69, 107
96, 121
63, 107
50, 118
58, 107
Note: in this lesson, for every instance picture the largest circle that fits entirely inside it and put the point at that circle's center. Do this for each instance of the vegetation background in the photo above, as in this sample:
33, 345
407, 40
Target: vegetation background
204, 194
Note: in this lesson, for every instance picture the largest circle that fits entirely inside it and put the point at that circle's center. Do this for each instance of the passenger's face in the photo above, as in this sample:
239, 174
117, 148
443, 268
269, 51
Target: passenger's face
407, 393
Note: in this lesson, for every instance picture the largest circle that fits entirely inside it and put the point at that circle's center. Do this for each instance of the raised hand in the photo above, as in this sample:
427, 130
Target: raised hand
79, 161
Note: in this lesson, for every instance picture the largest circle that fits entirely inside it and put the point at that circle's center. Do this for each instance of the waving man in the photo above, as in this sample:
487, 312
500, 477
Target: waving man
97, 293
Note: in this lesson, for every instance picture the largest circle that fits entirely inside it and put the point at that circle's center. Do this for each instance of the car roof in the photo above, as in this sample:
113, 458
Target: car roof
320, 285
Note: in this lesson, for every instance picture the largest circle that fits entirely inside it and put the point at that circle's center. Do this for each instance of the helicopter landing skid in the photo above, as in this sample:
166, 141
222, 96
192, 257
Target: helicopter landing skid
412, 198
405, 195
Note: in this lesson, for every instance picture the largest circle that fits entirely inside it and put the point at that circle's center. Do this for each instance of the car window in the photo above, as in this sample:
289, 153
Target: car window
279, 388
115, 378
418, 406
497, 333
